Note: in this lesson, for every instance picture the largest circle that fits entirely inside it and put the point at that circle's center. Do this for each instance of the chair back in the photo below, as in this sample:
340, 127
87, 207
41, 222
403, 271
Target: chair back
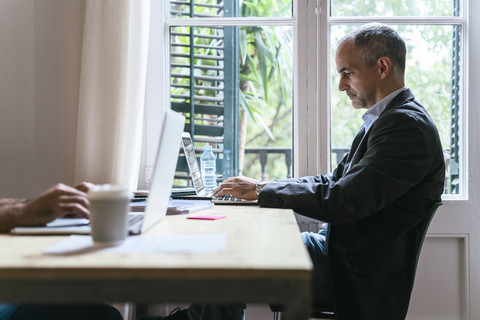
327, 313
423, 232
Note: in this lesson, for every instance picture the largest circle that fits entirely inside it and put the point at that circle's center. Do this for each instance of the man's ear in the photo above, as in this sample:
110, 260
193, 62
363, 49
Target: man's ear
384, 65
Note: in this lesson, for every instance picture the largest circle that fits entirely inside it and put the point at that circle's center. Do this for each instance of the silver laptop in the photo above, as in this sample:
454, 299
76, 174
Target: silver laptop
200, 193
157, 203
191, 158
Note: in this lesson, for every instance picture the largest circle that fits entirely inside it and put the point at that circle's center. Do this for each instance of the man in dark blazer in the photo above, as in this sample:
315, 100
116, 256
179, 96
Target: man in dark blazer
378, 195
374, 201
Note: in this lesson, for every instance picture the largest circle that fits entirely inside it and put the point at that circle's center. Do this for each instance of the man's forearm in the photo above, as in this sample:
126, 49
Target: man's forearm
10, 215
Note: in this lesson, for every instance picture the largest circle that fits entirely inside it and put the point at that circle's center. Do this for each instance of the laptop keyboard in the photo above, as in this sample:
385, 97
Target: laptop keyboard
227, 197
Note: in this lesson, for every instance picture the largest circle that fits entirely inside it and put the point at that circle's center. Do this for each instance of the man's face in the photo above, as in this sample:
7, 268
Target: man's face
358, 81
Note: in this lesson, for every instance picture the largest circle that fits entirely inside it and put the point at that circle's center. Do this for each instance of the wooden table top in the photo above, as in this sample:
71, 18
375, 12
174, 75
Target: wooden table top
261, 242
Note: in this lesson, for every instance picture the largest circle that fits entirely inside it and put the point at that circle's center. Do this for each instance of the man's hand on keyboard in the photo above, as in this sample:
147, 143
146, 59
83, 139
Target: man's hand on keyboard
240, 187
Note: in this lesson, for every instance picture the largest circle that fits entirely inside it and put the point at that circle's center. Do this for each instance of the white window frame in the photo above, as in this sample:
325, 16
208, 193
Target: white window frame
161, 8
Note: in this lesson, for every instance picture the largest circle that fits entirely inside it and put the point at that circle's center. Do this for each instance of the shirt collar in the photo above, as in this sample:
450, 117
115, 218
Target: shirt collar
374, 112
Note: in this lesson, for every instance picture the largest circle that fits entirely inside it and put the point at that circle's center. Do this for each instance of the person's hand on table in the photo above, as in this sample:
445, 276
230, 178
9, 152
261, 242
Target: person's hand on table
240, 187
58, 201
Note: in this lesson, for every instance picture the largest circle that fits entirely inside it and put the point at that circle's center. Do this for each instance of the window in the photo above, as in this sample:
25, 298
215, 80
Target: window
231, 71
434, 31
234, 68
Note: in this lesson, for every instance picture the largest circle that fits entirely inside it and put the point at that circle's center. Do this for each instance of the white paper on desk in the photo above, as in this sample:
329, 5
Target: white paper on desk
205, 243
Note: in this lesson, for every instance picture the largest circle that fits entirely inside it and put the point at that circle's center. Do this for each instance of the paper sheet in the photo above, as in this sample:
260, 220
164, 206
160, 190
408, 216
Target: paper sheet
207, 243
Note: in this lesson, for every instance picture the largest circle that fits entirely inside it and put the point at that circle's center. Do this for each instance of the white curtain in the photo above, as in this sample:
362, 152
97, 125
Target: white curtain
112, 91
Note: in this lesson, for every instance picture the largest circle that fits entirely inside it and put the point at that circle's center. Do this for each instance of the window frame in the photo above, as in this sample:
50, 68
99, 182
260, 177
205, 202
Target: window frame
240, 21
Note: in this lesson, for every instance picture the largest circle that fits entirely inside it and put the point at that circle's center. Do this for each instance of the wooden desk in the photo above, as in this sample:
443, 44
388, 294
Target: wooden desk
265, 261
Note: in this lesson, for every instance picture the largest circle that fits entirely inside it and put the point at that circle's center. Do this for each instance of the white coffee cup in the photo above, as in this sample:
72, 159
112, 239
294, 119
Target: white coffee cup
109, 206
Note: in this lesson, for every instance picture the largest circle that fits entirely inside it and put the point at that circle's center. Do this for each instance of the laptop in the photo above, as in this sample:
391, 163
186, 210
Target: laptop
157, 202
198, 188
200, 193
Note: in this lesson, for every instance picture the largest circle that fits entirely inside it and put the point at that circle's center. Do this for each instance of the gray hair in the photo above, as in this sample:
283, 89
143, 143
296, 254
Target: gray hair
373, 41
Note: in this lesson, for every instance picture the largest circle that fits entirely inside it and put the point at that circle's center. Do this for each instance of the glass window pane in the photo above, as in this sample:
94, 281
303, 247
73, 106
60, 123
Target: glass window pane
230, 8
234, 85
396, 8
432, 73
266, 84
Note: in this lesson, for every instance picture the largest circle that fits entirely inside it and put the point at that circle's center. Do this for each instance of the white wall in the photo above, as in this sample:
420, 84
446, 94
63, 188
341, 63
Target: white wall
32, 126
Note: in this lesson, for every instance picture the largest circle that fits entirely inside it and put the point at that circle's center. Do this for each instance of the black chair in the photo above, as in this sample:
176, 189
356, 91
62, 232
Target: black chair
423, 233
319, 312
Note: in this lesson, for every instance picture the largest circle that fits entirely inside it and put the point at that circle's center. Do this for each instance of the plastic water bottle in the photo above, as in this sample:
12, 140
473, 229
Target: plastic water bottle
208, 167
227, 166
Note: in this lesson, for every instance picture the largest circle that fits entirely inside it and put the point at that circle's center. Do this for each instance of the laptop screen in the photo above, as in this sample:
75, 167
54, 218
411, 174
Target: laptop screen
191, 157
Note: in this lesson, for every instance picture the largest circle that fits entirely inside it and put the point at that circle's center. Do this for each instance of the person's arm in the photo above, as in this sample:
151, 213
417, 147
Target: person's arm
58, 201
248, 188
8, 213
400, 153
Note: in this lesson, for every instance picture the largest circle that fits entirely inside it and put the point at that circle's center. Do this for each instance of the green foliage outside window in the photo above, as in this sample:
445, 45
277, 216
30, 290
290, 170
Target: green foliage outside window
266, 57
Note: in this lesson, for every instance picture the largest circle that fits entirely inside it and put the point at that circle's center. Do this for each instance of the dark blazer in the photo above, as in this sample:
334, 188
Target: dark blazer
374, 202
